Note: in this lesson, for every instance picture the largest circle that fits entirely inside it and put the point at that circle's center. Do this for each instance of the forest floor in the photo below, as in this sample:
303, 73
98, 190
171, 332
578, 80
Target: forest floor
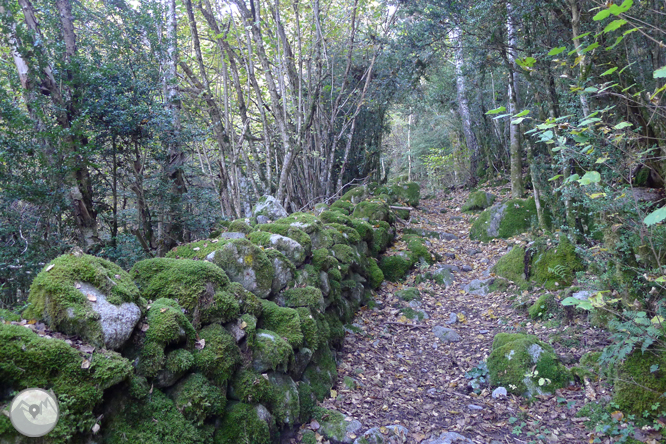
394, 371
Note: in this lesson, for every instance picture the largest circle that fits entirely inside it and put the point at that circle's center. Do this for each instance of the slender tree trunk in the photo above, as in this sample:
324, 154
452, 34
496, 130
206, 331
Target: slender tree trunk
575, 28
516, 154
409, 147
463, 108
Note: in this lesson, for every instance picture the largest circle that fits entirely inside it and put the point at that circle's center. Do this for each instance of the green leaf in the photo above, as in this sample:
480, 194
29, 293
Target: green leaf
518, 121
501, 109
615, 24
556, 51
593, 46
591, 89
602, 160
609, 72
582, 35
522, 113
630, 31
655, 217
624, 7
501, 116
622, 125
579, 138
654, 368
601, 15
526, 63
617, 42
571, 301
590, 177
588, 121
554, 178
660, 73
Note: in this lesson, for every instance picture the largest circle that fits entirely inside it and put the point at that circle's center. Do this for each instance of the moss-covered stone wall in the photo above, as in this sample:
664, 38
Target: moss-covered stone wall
233, 339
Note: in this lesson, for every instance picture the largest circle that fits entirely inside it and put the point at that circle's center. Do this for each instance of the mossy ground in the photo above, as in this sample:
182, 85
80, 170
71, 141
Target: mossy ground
641, 381
556, 267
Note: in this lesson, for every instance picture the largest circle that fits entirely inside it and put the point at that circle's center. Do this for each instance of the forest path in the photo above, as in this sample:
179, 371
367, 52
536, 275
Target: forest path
404, 375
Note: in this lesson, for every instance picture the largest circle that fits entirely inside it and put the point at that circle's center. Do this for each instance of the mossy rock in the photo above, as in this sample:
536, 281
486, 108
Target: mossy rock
283, 321
248, 303
167, 325
364, 229
504, 220
408, 294
342, 234
323, 260
372, 210
240, 226
199, 287
270, 207
545, 307
418, 250
395, 267
245, 424
285, 245
219, 357
334, 426
304, 221
321, 374
511, 266
286, 405
247, 264
409, 193
177, 363
335, 217
315, 334
291, 232
375, 274
29, 360
153, 420
556, 268
345, 207
382, 237
197, 399
8, 316
638, 386
524, 365
479, 200
194, 250
271, 352
251, 387
84, 295
310, 297
356, 195
345, 254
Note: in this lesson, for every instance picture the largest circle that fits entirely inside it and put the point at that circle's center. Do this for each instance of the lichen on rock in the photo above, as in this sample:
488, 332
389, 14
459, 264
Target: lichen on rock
245, 263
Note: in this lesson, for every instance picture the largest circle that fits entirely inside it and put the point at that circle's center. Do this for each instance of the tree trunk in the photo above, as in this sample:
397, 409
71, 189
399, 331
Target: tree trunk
514, 130
575, 28
463, 108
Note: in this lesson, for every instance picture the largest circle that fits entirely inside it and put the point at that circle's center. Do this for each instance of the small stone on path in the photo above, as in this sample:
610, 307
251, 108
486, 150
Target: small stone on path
446, 334
499, 392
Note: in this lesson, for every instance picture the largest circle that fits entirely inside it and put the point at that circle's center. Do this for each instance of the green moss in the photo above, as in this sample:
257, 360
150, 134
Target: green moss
179, 361
345, 254
333, 424
546, 306
375, 274
555, 268
305, 221
250, 328
409, 193
478, 200
243, 425
303, 297
410, 313
395, 267
220, 356
343, 206
321, 374
28, 360
638, 387
518, 217
322, 259
409, 294
309, 437
196, 285
197, 399
518, 362
154, 420
248, 303
240, 226
194, 250
418, 250
307, 399
283, 321
334, 217
381, 238
55, 298
355, 195
363, 228
271, 351
309, 327
336, 328
372, 210
246, 263
8, 316
251, 387
294, 233
341, 234
512, 266
139, 387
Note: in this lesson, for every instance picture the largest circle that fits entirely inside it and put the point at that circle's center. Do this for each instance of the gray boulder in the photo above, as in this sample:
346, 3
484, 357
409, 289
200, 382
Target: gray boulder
445, 334
247, 264
479, 287
397, 434
450, 438
270, 207
289, 247
337, 429
117, 321
286, 399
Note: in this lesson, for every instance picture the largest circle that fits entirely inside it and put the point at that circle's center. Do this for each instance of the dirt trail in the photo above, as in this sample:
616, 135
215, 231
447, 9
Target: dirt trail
405, 375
